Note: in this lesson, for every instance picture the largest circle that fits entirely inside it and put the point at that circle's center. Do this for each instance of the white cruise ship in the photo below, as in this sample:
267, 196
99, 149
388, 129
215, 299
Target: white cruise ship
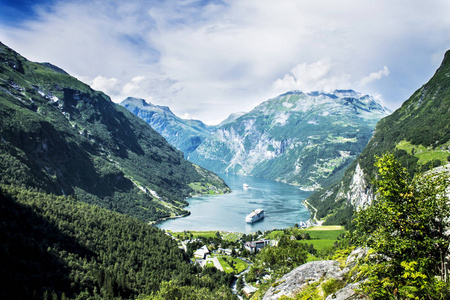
256, 215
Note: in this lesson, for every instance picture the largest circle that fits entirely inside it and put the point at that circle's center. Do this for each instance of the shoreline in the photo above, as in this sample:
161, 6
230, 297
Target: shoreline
169, 218
313, 219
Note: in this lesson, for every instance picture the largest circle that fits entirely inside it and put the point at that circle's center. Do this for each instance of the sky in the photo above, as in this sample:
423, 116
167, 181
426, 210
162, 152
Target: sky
208, 59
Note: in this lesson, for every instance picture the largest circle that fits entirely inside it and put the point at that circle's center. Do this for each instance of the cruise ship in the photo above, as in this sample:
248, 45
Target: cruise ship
256, 215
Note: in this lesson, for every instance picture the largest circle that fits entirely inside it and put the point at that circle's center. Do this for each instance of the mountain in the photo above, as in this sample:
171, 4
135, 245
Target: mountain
418, 133
231, 118
185, 135
59, 136
305, 139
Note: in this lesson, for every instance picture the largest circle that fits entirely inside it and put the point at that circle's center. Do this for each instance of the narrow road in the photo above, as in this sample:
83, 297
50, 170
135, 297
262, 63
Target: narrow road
308, 206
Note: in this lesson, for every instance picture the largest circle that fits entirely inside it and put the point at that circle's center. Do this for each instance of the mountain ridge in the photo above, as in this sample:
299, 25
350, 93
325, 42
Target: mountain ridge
183, 134
60, 136
255, 142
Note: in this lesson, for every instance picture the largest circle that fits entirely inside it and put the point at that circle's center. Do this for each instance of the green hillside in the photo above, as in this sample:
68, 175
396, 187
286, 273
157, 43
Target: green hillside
62, 137
418, 134
55, 247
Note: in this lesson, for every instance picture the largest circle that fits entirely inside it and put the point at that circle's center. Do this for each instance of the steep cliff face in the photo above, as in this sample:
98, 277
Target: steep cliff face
62, 137
305, 139
359, 193
418, 133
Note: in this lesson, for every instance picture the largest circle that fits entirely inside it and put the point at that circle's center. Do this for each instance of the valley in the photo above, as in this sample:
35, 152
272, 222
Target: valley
303, 139
83, 179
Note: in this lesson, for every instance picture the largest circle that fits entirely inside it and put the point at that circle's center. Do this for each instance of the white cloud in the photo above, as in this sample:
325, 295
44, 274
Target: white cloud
109, 86
374, 76
210, 59
151, 89
135, 86
318, 76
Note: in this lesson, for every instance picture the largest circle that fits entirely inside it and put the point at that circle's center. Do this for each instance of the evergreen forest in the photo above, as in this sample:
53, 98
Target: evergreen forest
56, 247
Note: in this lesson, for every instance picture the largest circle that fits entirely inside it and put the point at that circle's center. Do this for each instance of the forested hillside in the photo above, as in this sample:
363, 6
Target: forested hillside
60, 136
55, 247
418, 134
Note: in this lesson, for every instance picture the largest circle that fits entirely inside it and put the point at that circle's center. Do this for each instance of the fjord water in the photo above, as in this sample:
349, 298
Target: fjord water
282, 204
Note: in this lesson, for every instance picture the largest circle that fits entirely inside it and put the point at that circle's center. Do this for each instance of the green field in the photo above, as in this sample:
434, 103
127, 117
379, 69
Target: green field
317, 232
238, 265
226, 235
423, 153
325, 232
323, 237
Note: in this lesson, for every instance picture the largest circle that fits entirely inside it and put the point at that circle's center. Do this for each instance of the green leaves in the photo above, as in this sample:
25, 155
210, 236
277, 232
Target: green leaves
406, 225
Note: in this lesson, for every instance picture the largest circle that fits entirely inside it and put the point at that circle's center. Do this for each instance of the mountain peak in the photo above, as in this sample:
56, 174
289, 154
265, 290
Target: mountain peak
337, 102
144, 104
54, 68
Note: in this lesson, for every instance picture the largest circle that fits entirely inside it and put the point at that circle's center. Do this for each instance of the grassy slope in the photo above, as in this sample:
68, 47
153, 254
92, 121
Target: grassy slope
322, 237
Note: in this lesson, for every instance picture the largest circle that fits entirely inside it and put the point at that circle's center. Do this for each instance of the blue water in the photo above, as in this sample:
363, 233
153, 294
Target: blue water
281, 202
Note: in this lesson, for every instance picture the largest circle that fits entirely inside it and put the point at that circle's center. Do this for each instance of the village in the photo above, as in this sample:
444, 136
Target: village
241, 254
230, 252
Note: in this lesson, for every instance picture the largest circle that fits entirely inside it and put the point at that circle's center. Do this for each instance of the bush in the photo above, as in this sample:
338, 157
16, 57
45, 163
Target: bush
331, 286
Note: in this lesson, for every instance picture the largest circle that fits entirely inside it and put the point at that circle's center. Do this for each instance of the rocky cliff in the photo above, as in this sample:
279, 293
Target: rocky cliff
315, 275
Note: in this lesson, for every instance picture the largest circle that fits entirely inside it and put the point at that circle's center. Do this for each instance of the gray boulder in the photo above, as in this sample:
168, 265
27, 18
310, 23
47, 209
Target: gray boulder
316, 271
310, 272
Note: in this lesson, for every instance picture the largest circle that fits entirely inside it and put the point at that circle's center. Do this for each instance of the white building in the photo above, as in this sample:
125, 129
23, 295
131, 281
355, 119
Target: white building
202, 252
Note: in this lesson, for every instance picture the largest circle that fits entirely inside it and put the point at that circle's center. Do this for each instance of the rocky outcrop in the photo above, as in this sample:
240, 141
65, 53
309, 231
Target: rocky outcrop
318, 272
347, 293
360, 193
308, 273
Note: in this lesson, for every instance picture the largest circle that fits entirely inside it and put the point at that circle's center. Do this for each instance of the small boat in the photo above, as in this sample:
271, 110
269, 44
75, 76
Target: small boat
245, 186
256, 215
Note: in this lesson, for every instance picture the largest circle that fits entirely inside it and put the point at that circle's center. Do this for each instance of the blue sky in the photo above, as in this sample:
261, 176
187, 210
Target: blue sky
207, 59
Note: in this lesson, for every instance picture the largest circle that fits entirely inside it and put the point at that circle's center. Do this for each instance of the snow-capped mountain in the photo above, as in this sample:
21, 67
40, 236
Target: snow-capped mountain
305, 139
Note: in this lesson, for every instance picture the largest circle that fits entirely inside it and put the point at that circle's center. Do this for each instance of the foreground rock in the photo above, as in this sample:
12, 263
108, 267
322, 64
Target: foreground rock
318, 272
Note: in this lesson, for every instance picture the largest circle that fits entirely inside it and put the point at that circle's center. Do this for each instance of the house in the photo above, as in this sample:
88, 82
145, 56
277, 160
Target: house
225, 251
249, 290
255, 246
202, 252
